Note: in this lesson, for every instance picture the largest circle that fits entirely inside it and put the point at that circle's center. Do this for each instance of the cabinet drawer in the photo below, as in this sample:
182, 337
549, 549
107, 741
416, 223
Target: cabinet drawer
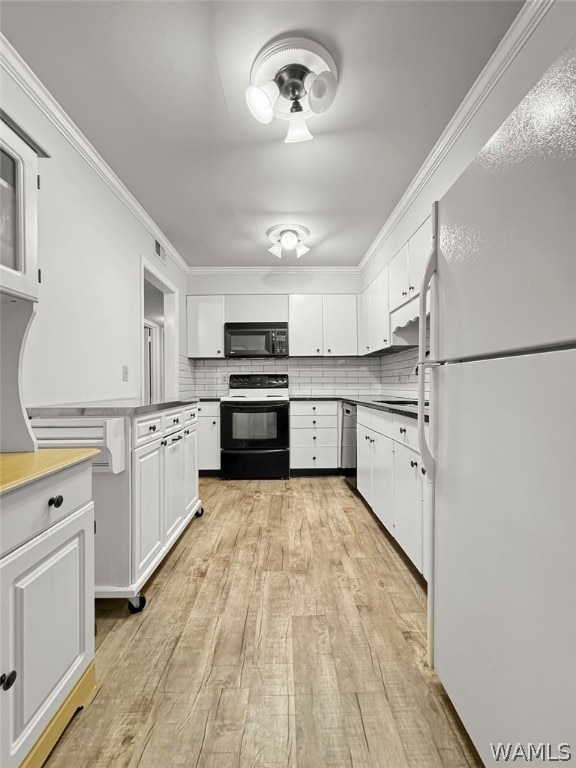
26, 511
147, 429
171, 421
190, 415
364, 416
314, 458
300, 438
313, 422
313, 408
406, 432
211, 408
384, 423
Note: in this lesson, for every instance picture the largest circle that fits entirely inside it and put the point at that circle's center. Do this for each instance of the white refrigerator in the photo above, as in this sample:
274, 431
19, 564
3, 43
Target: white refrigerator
502, 456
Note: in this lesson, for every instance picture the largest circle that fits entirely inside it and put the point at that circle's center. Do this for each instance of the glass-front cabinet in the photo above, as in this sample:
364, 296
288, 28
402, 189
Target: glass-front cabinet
18, 216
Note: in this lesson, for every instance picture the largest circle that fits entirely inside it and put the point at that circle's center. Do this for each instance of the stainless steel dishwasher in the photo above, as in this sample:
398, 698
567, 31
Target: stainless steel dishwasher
348, 443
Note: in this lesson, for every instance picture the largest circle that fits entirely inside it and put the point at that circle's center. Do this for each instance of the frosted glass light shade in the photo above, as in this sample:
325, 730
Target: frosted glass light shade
297, 129
276, 250
301, 250
261, 99
289, 240
321, 90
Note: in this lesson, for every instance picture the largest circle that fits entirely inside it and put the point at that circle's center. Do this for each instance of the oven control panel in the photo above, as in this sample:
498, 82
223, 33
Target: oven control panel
280, 342
258, 381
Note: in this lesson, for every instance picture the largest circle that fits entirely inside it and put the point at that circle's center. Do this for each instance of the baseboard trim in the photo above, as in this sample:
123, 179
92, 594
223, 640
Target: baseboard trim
76, 699
209, 472
323, 472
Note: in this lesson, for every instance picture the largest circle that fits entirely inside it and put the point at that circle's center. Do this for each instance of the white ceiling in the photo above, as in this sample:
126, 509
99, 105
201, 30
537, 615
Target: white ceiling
158, 88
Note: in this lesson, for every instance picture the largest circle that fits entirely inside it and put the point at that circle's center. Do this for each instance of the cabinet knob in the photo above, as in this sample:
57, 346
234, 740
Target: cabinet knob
199, 409
176, 421
423, 470
313, 437
411, 288
7, 681
186, 431
367, 347
413, 463
163, 442
317, 350
313, 422
366, 437
152, 427
313, 458
402, 431
385, 341
329, 350
313, 407
404, 293
218, 352
214, 422
56, 501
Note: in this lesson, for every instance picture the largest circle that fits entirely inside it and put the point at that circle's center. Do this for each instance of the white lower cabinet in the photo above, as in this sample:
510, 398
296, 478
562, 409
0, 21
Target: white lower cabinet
314, 435
390, 479
375, 473
209, 436
47, 627
147, 503
164, 493
174, 486
408, 502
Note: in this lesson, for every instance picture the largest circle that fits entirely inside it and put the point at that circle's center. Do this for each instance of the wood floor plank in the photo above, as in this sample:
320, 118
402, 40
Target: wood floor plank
284, 629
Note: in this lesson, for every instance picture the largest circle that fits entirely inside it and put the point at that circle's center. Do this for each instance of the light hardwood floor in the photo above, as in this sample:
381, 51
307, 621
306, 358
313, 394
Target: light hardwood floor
283, 630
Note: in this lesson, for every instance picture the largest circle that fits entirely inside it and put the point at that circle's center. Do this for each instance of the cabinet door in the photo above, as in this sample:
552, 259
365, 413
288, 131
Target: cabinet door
379, 316
340, 316
305, 325
205, 320
18, 188
398, 279
408, 503
364, 462
419, 247
383, 480
174, 485
364, 312
47, 628
190, 470
209, 442
147, 506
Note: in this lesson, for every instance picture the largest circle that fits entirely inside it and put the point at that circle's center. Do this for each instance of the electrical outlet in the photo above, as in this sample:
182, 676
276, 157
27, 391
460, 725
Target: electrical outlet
399, 376
223, 378
124, 373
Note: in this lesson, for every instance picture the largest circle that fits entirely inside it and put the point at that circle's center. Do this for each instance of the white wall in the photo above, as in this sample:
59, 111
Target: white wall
274, 280
90, 249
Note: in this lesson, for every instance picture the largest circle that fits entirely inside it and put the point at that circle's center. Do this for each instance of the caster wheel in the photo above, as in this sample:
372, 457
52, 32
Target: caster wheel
136, 604
199, 512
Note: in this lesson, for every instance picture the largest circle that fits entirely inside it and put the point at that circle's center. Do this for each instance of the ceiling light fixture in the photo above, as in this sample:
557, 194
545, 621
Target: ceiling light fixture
292, 79
288, 237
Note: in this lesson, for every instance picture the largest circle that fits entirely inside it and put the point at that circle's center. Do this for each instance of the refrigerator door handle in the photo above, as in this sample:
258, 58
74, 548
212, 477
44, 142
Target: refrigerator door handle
430, 269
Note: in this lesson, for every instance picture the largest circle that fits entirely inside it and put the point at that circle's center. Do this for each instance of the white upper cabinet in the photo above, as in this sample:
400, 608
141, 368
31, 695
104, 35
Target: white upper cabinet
379, 313
398, 277
205, 319
418, 251
256, 308
18, 224
340, 324
305, 332
322, 325
364, 301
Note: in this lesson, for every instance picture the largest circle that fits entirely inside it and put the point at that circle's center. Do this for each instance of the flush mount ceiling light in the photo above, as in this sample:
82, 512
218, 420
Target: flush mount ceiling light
288, 237
292, 79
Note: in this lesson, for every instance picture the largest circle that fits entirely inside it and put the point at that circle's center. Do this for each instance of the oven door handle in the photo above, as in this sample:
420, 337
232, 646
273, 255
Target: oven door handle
250, 408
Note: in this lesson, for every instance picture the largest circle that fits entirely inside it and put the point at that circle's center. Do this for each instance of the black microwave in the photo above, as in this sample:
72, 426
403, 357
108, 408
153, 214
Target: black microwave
256, 339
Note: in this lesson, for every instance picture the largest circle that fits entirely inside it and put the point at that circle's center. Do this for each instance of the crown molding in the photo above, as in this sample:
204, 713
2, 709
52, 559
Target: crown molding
263, 271
529, 17
16, 67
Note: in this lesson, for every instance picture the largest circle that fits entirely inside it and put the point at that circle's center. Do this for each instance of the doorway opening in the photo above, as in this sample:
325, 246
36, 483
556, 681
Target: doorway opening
159, 337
